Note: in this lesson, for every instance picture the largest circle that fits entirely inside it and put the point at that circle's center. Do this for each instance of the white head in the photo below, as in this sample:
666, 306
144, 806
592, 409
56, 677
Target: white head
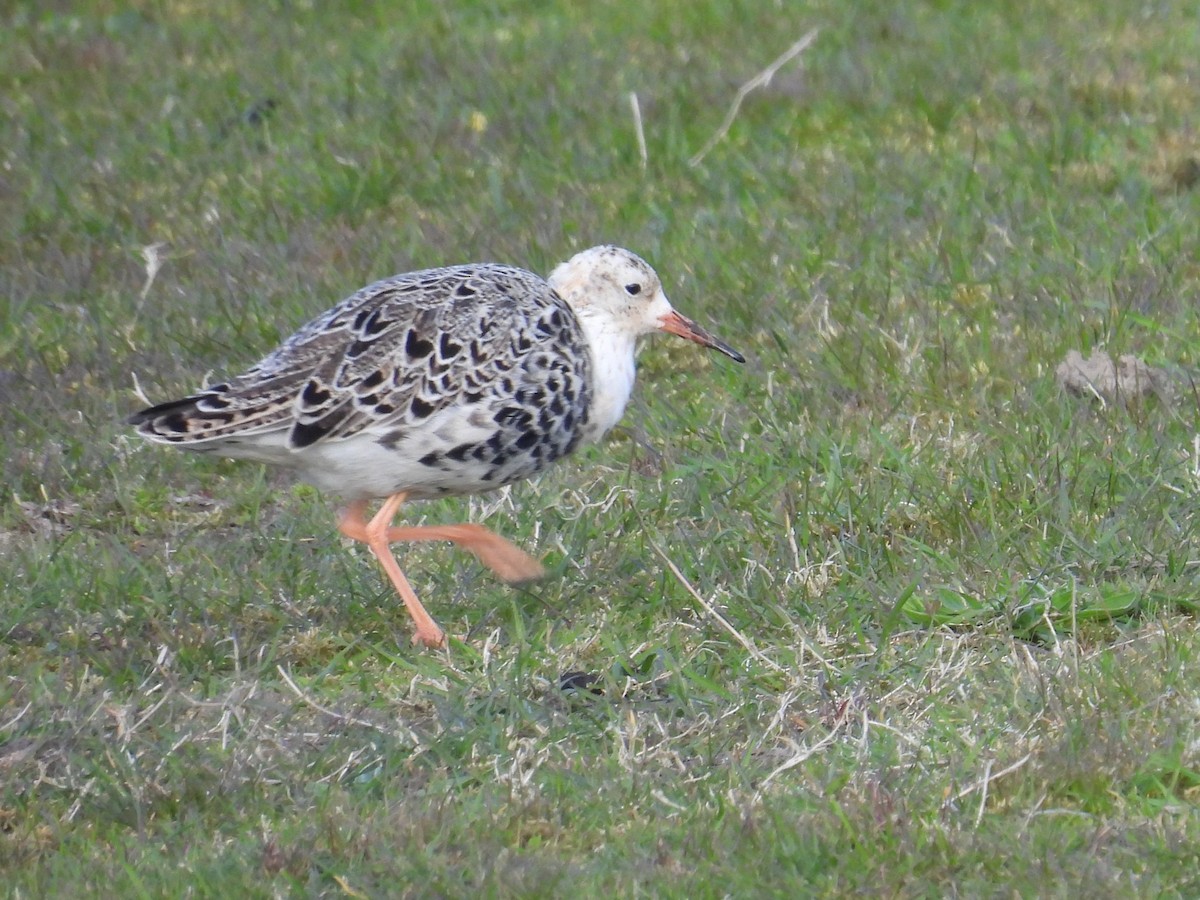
618, 298
616, 294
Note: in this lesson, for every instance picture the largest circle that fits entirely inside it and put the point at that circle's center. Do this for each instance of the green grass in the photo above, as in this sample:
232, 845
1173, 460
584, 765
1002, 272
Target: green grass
956, 652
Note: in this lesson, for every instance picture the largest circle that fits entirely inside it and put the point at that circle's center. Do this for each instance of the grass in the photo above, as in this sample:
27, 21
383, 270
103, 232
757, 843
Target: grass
882, 612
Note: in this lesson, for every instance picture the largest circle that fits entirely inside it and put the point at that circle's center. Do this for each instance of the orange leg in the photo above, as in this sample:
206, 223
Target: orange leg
505, 559
374, 535
509, 562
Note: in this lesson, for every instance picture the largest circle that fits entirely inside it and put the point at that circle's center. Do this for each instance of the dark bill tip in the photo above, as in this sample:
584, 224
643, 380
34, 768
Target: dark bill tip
675, 323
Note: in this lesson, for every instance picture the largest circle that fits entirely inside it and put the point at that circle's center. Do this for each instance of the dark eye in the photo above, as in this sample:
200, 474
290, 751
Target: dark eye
633, 289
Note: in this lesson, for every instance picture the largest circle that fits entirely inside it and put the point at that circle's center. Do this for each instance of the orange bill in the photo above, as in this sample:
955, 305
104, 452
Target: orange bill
675, 323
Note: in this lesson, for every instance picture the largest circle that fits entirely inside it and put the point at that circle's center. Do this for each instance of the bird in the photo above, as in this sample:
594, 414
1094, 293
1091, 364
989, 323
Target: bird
440, 382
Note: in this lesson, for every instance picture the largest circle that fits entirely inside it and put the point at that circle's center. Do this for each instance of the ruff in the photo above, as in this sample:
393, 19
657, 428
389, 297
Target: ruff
445, 381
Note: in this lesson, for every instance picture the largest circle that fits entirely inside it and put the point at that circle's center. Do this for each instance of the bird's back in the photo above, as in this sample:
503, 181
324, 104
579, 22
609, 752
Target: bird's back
442, 381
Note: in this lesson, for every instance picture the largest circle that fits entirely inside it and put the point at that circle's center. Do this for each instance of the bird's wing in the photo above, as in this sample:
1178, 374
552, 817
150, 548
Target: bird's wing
384, 359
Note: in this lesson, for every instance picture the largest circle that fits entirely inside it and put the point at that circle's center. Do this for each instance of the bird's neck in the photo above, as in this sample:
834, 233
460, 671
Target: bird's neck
613, 372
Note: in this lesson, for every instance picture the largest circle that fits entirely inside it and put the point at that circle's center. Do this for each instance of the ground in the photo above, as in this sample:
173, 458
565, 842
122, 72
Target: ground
885, 611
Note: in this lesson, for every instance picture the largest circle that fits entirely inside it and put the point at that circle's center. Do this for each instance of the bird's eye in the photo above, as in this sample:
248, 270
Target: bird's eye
633, 289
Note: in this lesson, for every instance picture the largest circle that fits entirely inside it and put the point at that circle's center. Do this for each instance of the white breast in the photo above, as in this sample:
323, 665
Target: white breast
613, 373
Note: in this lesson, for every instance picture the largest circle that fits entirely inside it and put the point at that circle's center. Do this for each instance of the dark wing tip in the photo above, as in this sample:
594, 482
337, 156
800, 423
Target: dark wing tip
177, 409
179, 421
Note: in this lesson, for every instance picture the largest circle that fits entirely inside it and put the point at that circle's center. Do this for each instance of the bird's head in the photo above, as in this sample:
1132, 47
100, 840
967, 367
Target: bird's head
619, 292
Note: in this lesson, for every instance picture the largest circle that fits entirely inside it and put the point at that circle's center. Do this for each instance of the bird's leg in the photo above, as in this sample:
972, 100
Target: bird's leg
375, 534
509, 562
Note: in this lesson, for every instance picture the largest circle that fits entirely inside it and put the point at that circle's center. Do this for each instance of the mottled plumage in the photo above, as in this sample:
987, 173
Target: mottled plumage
444, 381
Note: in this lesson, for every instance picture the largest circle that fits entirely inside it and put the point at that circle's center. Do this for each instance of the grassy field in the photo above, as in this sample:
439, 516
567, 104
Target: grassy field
883, 612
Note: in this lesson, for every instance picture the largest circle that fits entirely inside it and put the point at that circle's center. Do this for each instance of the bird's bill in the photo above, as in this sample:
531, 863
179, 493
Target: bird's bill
675, 323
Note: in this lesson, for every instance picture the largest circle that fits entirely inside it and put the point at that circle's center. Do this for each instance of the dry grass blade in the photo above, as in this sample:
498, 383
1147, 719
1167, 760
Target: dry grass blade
983, 783
711, 610
637, 128
803, 754
334, 714
762, 79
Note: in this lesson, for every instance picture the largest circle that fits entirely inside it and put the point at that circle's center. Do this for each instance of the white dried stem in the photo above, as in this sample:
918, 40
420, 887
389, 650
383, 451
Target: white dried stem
762, 79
